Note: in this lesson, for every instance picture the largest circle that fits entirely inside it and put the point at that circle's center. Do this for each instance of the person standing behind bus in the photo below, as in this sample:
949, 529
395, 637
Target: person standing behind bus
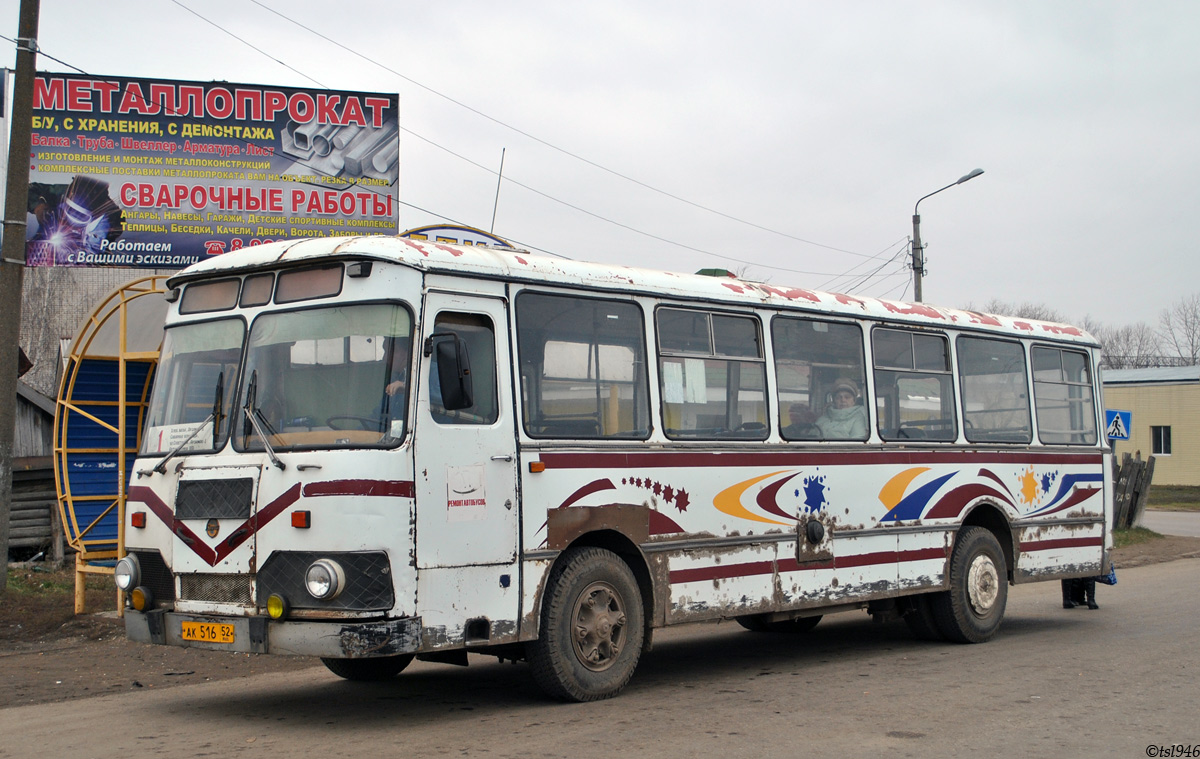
844, 419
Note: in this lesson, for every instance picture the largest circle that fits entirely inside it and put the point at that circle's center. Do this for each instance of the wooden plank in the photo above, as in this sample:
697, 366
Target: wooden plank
1145, 476
38, 520
35, 506
1120, 508
20, 496
1135, 474
37, 542
1120, 505
31, 532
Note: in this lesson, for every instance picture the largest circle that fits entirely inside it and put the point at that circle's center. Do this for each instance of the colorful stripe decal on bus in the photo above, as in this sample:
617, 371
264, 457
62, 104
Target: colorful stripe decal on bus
783, 497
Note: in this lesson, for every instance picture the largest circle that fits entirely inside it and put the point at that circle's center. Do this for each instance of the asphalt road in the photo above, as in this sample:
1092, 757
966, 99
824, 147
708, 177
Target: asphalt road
1054, 683
1172, 522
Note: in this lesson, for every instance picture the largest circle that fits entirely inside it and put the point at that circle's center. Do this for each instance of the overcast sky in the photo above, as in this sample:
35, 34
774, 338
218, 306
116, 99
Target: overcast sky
816, 126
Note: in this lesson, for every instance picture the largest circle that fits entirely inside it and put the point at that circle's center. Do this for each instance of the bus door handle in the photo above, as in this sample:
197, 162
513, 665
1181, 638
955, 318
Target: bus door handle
503, 457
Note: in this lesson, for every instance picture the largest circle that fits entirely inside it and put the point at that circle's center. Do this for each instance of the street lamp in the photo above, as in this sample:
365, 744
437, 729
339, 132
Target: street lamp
918, 257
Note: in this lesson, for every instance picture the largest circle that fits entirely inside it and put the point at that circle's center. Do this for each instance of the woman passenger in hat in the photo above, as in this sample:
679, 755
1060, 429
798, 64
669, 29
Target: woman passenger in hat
844, 418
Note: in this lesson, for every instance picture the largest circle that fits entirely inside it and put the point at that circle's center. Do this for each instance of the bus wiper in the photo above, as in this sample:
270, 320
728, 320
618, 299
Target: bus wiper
217, 416
253, 415
214, 417
161, 467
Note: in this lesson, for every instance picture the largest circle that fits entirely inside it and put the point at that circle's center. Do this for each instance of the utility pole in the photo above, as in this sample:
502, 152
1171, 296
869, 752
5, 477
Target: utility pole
12, 256
918, 257
918, 250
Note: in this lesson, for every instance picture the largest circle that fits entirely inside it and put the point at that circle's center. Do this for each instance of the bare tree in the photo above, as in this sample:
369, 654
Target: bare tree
1179, 328
1133, 346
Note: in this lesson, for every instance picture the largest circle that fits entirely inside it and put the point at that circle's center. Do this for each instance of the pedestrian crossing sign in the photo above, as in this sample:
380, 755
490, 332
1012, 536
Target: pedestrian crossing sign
1116, 424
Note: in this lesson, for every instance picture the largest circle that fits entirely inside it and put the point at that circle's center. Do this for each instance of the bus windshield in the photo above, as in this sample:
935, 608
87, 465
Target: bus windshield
193, 390
326, 378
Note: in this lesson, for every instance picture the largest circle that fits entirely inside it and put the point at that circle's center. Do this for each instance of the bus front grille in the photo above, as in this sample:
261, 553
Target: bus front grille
224, 589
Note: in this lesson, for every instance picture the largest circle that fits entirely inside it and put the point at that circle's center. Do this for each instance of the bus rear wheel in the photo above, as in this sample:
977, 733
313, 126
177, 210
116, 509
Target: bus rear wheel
592, 627
374, 669
971, 610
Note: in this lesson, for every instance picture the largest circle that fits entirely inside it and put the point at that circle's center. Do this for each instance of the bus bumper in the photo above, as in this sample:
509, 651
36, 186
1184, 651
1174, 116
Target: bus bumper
341, 639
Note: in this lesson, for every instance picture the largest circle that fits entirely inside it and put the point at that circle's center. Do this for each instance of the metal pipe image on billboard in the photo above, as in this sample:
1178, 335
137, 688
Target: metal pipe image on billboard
161, 174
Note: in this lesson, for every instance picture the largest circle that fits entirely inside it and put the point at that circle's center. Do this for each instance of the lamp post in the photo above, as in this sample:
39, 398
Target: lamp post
918, 254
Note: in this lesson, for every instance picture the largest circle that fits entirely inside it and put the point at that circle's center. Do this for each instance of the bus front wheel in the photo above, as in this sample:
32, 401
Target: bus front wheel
368, 670
592, 627
971, 610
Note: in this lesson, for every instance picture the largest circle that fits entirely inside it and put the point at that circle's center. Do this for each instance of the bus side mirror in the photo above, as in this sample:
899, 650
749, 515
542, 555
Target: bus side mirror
449, 353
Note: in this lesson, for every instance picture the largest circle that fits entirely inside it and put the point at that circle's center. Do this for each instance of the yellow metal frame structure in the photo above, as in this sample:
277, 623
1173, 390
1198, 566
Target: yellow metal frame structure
95, 341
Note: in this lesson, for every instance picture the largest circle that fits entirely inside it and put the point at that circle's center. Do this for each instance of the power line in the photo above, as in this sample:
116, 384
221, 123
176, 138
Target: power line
548, 144
863, 280
850, 274
43, 54
552, 146
627, 227
248, 44
605, 219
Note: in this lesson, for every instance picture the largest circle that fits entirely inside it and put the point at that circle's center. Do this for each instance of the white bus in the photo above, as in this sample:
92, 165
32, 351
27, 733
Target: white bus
374, 449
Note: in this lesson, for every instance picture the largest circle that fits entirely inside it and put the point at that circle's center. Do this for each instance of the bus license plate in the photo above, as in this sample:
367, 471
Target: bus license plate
208, 632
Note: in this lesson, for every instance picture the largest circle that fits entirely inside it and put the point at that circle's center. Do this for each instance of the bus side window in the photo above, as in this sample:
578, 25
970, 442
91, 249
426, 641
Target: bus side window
995, 390
912, 370
479, 337
712, 375
1062, 391
583, 367
814, 361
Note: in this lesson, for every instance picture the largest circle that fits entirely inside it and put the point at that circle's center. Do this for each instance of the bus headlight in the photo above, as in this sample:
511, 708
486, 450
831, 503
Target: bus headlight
324, 579
128, 573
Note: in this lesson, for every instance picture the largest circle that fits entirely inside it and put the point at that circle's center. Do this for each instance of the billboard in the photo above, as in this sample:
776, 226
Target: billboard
155, 173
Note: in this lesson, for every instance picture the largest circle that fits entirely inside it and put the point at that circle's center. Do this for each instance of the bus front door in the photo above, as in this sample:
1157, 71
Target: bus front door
465, 458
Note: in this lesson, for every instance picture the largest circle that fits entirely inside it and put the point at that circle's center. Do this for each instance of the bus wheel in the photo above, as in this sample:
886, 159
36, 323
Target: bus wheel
920, 620
592, 627
369, 670
971, 610
758, 623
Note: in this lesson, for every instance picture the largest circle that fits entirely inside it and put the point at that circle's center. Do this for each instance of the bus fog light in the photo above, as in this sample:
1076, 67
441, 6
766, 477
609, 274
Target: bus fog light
141, 598
277, 606
324, 579
128, 573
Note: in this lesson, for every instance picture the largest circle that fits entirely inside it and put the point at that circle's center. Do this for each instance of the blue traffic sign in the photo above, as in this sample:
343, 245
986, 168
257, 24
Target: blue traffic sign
1117, 423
